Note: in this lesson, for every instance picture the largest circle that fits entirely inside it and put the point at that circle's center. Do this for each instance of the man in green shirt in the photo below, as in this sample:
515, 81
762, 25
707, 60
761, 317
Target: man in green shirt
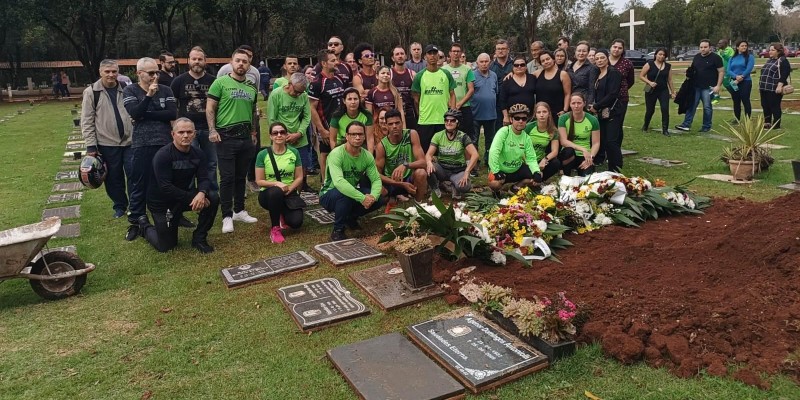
511, 157
465, 87
400, 160
347, 167
290, 66
726, 53
290, 105
434, 93
455, 154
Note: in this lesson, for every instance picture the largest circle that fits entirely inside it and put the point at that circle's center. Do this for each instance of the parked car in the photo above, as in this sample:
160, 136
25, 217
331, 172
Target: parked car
689, 55
650, 56
790, 52
637, 58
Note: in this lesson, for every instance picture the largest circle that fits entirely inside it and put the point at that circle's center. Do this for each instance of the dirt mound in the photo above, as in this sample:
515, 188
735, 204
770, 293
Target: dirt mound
686, 293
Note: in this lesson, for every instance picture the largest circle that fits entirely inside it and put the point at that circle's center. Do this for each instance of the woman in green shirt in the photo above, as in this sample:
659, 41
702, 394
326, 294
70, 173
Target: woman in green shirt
579, 133
351, 110
544, 137
511, 156
277, 185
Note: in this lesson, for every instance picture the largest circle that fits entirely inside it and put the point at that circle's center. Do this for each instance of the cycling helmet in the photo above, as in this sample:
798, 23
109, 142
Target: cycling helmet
519, 109
453, 113
92, 171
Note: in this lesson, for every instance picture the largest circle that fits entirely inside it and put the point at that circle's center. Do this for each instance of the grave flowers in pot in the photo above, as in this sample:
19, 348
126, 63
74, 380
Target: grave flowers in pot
747, 154
414, 252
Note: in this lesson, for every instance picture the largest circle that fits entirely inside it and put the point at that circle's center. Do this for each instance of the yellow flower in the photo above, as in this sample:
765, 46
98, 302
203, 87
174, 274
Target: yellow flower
545, 202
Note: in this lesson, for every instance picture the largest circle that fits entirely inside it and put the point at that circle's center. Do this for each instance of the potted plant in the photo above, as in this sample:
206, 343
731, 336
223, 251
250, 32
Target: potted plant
747, 154
414, 252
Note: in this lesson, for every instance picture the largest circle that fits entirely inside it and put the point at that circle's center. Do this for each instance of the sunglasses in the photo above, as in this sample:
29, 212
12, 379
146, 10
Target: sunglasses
515, 118
519, 65
334, 44
281, 132
151, 73
450, 120
368, 55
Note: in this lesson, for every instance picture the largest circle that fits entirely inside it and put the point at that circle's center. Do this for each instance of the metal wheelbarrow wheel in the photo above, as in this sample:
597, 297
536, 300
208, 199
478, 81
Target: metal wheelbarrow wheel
53, 263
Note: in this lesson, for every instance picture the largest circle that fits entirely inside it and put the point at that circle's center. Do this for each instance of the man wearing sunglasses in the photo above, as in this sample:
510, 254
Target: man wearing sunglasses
365, 79
152, 108
512, 158
434, 93
342, 71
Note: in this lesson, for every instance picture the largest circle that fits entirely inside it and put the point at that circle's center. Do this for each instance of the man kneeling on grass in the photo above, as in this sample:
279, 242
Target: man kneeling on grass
400, 160
349, 166
175, 167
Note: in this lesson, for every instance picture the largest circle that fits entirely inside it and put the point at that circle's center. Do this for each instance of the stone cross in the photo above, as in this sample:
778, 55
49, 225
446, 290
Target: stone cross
631, 23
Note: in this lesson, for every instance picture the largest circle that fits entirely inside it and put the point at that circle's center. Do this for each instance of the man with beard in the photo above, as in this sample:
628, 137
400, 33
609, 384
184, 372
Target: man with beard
434, 93
230, 112
191, 92
342, 70
325, 95
290, 66
402, 78
169, 67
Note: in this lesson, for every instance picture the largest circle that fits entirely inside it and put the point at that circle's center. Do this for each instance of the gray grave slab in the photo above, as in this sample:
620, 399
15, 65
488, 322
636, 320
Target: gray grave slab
320, 303
772, 146
68, 187
409, 375
669, 130
661, 162
256, 271
69, 231
386, 286
474, 350
64, 197
346, 251
321, 215
717, 137
71, 154
311, 199
79, 141
70, 161
74, 137
629, 152
75, 146
69, 249
62, 212
726, 178
66, 175
791, 186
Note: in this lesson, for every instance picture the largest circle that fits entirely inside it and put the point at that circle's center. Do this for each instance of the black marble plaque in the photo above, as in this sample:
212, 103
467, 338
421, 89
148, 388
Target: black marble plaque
316, 304
321, 215
476, 351
409, 375
67, 187
69, 231
262, 269
60, 198
62, 212
311, 199
386, 286
66, 175
347, 251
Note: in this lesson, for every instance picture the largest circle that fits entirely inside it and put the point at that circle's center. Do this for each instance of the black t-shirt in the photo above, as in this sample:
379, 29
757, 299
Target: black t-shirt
191, 95
512, 93
165, 79
706, 70
342, 71
328, 91
173, 173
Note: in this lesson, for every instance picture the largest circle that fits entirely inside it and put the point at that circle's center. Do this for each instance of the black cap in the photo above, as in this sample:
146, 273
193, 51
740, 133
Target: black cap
431, 48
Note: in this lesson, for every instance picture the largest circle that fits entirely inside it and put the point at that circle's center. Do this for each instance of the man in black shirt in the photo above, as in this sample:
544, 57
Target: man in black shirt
169, 68
707, 80
325, 95
175, 167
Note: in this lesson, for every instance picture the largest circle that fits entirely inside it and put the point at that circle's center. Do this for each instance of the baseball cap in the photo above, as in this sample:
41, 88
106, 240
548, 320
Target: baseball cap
431, 48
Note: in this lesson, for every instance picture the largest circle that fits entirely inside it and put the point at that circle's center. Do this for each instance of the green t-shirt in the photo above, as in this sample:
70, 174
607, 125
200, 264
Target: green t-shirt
397, 154
343, 172
462, 75
294, 112
509, 151
583, 130
451, 153
236, 101
341, 123
287, 162
434, 94
280, 82
540, 140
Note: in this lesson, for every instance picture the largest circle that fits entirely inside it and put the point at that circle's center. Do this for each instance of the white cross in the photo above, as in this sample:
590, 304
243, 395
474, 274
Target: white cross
631, 24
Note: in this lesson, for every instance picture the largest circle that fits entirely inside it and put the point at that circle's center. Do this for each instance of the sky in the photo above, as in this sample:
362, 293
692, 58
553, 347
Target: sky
619, 5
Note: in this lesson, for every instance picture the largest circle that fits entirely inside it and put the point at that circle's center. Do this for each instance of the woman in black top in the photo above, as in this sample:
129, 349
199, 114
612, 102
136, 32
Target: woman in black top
604, 102
657, 75
518, 88
774, 75
553, 85
579, 70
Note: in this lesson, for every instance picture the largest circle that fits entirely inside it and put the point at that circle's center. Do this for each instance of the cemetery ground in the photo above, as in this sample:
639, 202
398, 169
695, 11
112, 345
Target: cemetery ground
164, 325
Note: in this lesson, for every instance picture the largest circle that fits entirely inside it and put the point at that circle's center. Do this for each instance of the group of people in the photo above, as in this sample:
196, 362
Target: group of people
60, 82
378, 134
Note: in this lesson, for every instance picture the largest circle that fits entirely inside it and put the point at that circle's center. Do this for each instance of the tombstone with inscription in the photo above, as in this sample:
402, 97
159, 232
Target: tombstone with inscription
318, 304
321, 215
311, 199
68, 187
347, 251
474, 350
263, 269
62, 212
64, 197
66, 175
386, 286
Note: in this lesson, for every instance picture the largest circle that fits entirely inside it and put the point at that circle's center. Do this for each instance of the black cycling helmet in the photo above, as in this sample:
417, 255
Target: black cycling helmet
92, 171
453, 113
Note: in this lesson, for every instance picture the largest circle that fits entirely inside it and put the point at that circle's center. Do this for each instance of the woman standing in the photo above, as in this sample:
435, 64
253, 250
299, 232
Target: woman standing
657, 75
604, 99
350, 110
560, 56
385, 95
553, 85
739, 68
519, 88
544, 137
277, 185
579, 70
774, 76
579, 134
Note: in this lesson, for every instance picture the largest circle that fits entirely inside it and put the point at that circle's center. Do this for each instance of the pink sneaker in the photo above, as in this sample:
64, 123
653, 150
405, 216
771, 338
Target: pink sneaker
283, 223
276, 235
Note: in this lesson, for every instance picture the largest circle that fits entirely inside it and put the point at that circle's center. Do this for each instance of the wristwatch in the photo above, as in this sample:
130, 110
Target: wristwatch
405, 164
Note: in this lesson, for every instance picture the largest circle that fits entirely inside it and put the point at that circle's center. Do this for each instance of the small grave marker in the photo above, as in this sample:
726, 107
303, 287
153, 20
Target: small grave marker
409, 374
75, 146
475, 351
773, 146
663, 163
67, 187
64, 197
70, 161
262, 269
62, 212
74, 137
791, 186
76, 155
629, 152
311, 199
69, 231
726, 178
718, 137
321, 215
670, 131
347, 251
317, 304
69, 249
386, 286
66, 175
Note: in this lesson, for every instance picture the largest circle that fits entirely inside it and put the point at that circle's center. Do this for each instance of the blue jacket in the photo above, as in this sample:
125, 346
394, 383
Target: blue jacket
740, 65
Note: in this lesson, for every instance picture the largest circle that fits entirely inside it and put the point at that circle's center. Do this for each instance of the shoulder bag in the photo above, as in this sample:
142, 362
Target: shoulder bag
293, 200
787, 88
648, 88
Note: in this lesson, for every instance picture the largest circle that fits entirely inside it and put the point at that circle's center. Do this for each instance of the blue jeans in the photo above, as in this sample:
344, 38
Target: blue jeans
345, 208
119, 164
703, 94
305, 156
142, 161
202, 143
489, 129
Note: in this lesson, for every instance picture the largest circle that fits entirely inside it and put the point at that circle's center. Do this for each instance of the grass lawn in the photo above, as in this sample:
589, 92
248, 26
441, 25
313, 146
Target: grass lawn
165, 324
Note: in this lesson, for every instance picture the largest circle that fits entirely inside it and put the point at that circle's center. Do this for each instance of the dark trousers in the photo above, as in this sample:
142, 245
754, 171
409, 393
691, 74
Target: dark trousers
119, 164
234, 156
662, 96
163, 234
567, 166
552, 168
489, 129
611, 142
465, 124
345, 208
771, 103
741, 98
142, 162
272, 200
202, 143
411, 117
251, 173
426, 133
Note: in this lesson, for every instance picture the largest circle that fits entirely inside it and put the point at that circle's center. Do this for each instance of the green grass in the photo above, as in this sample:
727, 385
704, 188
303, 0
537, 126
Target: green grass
164, 323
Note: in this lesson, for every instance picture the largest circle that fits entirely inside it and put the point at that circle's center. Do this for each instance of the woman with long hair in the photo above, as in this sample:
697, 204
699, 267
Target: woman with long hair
604, 100
544, 137
774, 76
517, 88
562, 59
383, 130
579, 135
739, 68
350, 110
385, 95
579, 70
657, 75
553, 85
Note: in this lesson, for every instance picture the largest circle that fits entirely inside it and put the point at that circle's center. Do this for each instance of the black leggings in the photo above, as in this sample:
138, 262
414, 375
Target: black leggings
741, 98
650, 103
552, 168
771, 103
567, 166
273, 200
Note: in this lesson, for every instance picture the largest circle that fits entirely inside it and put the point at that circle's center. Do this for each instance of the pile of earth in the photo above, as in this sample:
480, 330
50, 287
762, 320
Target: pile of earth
685, 292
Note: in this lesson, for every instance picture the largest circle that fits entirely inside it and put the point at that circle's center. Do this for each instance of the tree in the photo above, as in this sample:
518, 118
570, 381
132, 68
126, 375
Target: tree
602, 25
664, 17
162, 13
786, 25
747, 19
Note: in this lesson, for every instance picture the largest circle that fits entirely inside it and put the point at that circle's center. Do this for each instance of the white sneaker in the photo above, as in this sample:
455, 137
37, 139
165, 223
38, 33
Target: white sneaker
243, 216
227, 225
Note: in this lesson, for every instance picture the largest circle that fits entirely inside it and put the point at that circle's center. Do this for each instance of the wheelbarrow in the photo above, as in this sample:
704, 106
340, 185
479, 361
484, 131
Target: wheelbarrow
53, 275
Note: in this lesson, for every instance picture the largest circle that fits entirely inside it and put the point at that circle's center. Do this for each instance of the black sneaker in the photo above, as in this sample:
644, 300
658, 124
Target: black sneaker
203, 247
185, 223
133, 232
338, 235
119, 214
